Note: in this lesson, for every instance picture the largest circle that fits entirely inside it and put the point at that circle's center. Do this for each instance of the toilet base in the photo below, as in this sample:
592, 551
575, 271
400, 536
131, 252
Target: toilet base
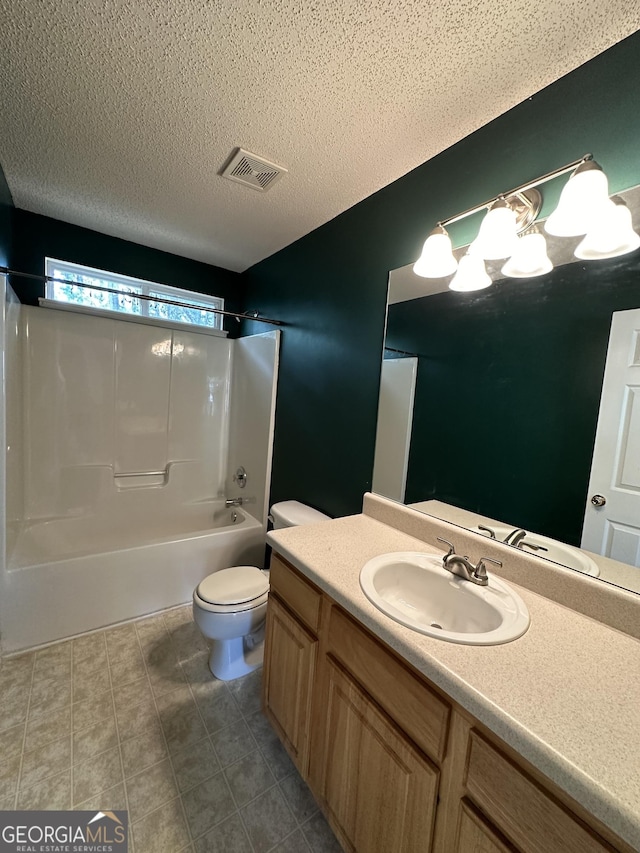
234, 658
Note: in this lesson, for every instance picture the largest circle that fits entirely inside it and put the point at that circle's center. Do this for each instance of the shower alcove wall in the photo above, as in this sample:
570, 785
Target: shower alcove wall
122, 440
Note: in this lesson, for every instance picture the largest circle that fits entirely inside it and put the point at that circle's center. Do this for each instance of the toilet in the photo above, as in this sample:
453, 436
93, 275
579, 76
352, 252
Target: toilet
230, 605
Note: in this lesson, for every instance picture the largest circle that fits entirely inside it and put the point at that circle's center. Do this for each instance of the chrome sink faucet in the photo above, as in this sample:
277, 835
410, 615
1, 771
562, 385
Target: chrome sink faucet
463, 568
514, 537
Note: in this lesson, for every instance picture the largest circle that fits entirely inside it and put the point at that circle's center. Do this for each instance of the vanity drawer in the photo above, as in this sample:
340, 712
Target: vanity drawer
520, 808
301, 597
419, 711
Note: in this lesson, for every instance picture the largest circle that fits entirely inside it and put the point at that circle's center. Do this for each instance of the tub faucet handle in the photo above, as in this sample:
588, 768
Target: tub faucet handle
240, 477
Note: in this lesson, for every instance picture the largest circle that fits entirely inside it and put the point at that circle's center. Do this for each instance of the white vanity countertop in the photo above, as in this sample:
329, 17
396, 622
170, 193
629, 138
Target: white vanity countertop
566, 695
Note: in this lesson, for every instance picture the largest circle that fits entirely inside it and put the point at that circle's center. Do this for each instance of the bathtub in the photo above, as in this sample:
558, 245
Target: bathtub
67, 576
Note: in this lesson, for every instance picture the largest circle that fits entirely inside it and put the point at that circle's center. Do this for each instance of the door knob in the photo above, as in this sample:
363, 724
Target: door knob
598, 500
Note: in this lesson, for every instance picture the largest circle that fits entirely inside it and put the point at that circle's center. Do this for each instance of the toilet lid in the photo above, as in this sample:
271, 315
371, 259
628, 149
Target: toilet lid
233, 586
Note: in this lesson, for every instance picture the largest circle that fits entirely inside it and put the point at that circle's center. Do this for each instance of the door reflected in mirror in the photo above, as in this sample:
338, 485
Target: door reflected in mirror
395, 419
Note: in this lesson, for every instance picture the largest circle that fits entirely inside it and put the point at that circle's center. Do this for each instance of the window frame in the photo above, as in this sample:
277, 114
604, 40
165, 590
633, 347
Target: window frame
143, 287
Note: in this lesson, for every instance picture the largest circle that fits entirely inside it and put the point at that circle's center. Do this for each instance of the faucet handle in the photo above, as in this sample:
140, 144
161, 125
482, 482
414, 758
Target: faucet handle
480, 571
240, 477
533, 547
492, 533
452, 548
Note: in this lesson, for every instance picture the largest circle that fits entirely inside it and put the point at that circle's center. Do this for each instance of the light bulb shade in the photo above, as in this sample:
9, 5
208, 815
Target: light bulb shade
498, 233
581, 201
611, 234
471, 275
529, 259
436, 260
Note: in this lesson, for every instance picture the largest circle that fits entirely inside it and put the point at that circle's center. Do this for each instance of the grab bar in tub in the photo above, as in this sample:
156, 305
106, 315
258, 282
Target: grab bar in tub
143, 474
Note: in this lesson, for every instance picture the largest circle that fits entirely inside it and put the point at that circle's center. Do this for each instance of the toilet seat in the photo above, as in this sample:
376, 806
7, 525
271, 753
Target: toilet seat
233, 590
230, 608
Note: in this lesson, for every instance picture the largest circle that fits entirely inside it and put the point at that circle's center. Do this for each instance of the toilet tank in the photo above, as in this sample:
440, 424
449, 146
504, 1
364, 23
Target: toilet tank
293, 513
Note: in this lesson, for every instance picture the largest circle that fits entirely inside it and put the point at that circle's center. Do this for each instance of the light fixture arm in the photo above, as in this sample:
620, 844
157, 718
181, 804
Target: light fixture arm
517, 191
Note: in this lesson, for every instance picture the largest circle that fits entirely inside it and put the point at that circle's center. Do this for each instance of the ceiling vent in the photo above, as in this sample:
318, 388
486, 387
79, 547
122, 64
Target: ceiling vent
252, 171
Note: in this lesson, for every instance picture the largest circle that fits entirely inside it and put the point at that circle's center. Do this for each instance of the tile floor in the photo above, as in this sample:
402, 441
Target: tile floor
131, 718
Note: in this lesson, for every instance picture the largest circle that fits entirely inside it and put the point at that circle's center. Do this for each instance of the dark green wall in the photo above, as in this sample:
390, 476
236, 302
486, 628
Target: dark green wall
331, 287
509, 383
6, 221
330, 362
36, 237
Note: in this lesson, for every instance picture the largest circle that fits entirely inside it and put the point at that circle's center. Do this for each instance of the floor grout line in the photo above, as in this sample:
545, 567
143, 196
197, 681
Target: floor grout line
24, 734
245, 718
130, 839
222, 767
115, 719
173, 773
215, 752
71, 712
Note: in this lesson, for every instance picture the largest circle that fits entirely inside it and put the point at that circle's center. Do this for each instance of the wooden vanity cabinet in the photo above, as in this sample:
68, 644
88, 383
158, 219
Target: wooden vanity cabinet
378, 790
290, 659
523, 809
342, 706
395, 765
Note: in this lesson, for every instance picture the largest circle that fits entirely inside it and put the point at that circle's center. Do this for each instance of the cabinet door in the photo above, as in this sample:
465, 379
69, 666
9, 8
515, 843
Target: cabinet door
475, 836
380, 791
289, 669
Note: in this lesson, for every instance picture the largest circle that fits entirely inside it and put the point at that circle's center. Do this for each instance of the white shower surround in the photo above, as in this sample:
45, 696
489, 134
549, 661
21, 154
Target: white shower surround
87, 547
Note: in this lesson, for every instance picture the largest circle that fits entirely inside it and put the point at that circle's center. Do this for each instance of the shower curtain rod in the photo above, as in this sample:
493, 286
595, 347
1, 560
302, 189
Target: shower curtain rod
402, 352
238, 315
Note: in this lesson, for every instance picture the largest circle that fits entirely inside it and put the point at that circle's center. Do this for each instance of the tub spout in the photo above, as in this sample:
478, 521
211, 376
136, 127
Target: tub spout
238, 501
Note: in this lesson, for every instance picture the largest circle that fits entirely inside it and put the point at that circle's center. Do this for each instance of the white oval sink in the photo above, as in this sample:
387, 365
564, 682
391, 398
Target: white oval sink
558, 552
417, 591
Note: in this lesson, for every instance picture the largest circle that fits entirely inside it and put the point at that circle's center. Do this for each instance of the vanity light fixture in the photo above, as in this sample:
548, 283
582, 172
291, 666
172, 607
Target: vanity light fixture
530, 257
581, 201
611, 233
436, 260
498, 235
584, 208
471, 274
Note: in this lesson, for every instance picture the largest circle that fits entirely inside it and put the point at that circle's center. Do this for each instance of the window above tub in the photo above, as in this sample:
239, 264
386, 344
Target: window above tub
81, 288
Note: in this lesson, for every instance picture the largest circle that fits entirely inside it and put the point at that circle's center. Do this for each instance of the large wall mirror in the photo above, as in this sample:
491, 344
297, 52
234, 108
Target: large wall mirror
490, 402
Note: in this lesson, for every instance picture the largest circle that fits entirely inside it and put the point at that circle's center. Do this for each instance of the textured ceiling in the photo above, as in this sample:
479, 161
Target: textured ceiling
117, 115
